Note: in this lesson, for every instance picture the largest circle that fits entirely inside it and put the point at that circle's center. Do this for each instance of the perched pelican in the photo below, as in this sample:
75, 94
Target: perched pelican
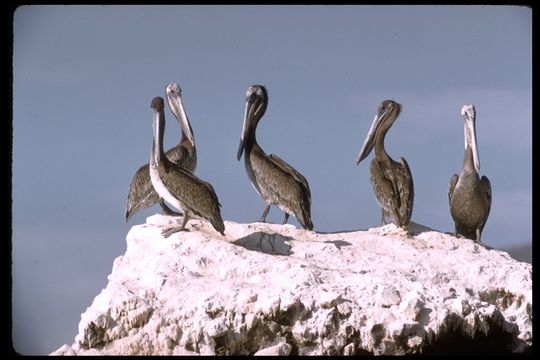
469, 196
141, 192
392, 181
180, 188
275, 180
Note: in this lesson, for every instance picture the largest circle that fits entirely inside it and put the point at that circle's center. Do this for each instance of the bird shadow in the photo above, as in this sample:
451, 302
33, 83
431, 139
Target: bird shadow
272, 244
339, 231
412, 230
338, 243
415, 229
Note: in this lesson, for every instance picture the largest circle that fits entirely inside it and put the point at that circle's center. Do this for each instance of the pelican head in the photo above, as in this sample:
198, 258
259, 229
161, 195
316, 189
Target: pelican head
386, 115
174, 97
256, 101
157, 104
469, 115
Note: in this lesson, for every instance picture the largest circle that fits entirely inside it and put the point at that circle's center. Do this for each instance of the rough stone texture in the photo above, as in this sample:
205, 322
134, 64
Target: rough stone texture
268, 289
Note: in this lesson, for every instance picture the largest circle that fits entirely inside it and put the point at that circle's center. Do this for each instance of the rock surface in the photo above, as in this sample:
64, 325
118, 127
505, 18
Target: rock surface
268, 289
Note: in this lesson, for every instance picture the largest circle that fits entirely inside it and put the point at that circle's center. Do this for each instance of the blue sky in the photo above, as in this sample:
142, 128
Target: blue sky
84, 77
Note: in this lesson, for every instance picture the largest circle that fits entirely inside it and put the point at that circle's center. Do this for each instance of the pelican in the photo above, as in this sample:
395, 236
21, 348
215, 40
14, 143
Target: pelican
141, 192
468, 194
392, 181
277, 182
180, 188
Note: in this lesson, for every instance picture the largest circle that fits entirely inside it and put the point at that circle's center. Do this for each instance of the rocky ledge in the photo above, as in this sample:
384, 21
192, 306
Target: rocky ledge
268, 289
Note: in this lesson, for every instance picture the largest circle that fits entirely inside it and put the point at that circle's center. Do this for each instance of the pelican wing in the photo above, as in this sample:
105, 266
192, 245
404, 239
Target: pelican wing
141, 192
451, 185
406, 192
486, 185
282, 164
383, 187
196, 195
181, 156
393, 186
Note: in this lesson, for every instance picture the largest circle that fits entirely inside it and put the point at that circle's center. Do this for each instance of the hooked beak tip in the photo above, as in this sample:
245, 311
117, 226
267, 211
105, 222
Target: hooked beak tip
240, 150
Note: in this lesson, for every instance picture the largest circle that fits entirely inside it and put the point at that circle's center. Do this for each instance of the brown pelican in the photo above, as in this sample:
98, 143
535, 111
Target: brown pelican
141, 192
392, 181
276, 181
180, 188
469, 196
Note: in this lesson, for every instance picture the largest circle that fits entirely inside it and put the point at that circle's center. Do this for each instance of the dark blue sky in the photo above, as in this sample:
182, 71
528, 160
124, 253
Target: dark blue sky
84, 77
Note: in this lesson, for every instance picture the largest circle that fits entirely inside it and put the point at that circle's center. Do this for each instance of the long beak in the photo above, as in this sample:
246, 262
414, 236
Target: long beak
175, 103
370, 138
470, 140
246, 127
158, 125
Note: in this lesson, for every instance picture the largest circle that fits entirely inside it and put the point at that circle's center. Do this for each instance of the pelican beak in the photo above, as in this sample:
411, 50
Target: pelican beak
158, 125
370, 138
247, 126
175, 103
469, 114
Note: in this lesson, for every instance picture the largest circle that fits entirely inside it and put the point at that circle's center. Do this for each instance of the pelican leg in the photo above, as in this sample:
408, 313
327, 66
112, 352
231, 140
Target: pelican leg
265, 212
478, 234
168, 232
167, 210
286, 218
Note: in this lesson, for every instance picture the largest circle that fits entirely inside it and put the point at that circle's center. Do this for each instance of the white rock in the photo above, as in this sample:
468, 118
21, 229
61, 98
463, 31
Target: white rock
64, 350
282, 349
269, 289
